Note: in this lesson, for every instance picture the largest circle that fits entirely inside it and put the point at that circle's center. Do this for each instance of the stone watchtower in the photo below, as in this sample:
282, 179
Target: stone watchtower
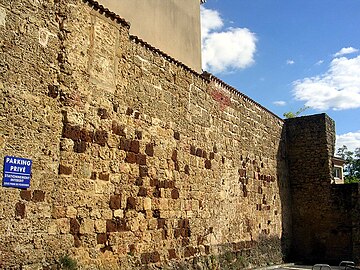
172, 26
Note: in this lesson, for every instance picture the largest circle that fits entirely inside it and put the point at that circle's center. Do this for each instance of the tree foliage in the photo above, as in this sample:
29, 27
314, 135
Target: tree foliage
352, 164
288, 115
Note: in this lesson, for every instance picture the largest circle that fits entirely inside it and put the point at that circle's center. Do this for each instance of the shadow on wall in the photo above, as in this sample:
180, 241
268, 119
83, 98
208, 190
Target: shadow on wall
324, 225
283, 182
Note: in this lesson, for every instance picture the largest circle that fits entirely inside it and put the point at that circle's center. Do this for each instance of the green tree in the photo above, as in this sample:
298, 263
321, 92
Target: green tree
352, 164
288, 115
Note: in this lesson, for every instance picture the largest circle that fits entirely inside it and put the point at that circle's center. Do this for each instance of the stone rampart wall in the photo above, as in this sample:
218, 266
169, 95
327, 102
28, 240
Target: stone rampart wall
137, 159
322, 212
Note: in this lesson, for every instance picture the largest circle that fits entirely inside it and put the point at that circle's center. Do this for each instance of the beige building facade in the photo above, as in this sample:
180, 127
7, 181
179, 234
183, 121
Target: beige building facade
172, 26
338, 170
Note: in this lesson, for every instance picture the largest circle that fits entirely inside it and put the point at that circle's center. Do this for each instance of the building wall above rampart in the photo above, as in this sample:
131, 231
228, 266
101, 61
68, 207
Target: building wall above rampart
172, 26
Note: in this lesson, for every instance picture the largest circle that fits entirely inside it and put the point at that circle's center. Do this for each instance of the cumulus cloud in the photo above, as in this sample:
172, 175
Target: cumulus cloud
290, 62
351, 140
210, 21
279, 103
345, 51
337, 89
224, 50
318, 63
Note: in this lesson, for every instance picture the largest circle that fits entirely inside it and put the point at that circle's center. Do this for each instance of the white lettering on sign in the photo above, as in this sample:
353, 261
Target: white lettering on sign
17, 169
16, 161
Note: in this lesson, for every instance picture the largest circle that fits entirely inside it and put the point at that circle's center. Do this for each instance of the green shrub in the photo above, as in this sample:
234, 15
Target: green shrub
67, 263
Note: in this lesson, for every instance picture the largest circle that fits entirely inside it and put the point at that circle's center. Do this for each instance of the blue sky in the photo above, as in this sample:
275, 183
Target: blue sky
289, 54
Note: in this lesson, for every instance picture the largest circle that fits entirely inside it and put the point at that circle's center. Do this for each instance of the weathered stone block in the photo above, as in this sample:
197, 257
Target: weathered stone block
149, 150
175, 194
118, 129
141, 159
53, 91
138, 134
207, 164
71, 212
160, 223
139, 181
52, 228
131, 203
71, 132
134, 147
25, 195
103, 113
66, 170
104, 187
118, 213
129, 111
147, 204
130, 157
156, 213
100, 226
93, 176
74, 226
176, 135
174, 156
101, 238
79, 147
154, 182
137, 115
143, 171
104, 176
115, 201
87, 136
87, 226
38, 196
189, 252
125, 144
192, 150
152, 257
20, 210
142, 192
111, 226
101, 137
77, 241
187, 169
172, 254
199, 152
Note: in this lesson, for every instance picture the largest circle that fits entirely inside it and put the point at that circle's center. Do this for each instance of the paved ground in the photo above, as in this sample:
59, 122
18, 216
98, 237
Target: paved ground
305, 267
292, 266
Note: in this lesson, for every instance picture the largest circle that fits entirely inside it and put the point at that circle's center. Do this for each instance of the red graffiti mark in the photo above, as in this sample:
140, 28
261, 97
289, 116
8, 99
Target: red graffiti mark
222, 99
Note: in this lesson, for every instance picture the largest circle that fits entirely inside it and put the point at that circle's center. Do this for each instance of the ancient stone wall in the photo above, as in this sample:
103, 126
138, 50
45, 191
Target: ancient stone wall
355, 221
322, 212
137, 160
30, 126
345, 225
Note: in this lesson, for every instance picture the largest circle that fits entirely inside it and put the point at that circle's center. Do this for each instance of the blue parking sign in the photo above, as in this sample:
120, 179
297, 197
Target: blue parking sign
17, 172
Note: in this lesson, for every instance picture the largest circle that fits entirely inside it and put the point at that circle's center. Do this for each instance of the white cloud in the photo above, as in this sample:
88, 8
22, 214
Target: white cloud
227, 49
337, 89
279, 103
210, 21
290, 62
318, 63
345, 51
351, 140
